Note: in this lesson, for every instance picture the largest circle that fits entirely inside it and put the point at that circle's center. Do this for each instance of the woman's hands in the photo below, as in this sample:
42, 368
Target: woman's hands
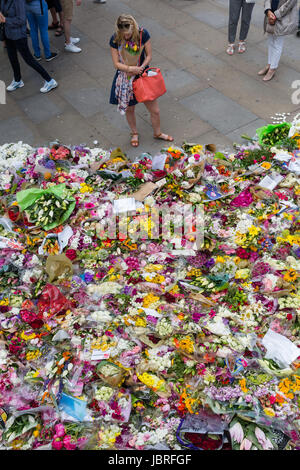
135, 70
271, 17
2, 18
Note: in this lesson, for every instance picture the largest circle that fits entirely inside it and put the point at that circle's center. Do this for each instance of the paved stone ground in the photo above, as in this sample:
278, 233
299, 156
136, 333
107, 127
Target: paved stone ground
211, 98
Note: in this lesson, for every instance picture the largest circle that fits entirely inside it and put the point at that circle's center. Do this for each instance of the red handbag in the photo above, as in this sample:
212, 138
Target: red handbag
149, 88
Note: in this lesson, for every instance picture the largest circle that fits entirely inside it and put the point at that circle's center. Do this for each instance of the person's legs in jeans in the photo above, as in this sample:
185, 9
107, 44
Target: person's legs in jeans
270, 48
42, 21
277, 46
34, 33
13, 58
234, 14
22, 47
247, 9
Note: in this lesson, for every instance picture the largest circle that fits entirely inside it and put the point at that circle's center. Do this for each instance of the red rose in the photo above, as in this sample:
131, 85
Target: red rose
35, 324
139, 174
159, 174
242, 253
71, 254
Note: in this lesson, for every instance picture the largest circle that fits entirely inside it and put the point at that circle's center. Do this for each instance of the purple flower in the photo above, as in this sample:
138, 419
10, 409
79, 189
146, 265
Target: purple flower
297, 252
88, 277
50, 164
210, 263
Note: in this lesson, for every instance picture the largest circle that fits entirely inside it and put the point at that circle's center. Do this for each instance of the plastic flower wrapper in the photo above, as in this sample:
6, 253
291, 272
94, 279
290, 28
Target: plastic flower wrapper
204, 431
18, 431
34, 201
247, 435
110, 373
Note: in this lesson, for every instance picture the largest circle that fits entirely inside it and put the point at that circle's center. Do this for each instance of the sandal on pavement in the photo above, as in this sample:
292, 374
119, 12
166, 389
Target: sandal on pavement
242, 47
269, 75
162, 136
53, 25
59, 31
134, 139
230, 49
264, 70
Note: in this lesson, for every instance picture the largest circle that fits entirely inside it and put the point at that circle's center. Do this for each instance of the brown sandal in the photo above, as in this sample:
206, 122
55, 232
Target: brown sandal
59, 31
134, 139
53, 25
162, 136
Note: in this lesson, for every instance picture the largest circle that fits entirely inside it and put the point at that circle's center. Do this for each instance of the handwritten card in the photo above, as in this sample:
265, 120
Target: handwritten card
124, 205
270, 182
158, 162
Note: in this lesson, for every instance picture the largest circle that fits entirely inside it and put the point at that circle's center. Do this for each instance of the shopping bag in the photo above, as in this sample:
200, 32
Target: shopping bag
149, 87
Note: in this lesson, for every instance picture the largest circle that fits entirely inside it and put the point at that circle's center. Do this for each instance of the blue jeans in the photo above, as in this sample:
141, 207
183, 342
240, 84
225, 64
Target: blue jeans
38, 22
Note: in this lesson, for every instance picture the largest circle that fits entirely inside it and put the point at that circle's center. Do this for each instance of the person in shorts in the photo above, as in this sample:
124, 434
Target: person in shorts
55, 9
70, 42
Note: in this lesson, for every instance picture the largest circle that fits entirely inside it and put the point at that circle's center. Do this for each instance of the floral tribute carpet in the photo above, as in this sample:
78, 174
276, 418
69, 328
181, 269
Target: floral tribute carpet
151, 304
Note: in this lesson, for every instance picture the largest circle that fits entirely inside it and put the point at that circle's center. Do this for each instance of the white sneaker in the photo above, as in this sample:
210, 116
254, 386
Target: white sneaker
75, 40
72, 48
14, 85
48, 86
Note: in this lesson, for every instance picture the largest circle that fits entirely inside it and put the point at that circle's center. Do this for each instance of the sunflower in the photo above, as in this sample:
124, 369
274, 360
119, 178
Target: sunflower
290, 276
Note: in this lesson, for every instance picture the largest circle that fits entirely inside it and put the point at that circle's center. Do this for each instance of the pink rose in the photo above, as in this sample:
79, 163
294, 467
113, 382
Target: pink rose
71, 254
57, 443
59, 430
69, 443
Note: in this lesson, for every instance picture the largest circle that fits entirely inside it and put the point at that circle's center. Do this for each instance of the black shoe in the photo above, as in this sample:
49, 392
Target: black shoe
37, 58
53, 55
298, 33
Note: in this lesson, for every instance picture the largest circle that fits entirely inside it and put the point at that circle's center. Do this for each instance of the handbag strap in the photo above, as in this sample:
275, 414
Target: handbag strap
141, 34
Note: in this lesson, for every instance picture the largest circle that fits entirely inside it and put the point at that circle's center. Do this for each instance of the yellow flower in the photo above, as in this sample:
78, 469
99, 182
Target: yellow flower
269, 412
149, 299
253, 230
141, 322
27, 337
174, 289
243, 385
220, 259
242, 274
266, 165
240, 238
290, 276
186, 344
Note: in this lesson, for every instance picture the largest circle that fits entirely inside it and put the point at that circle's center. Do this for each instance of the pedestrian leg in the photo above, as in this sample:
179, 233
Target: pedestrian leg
13, 58
22, 47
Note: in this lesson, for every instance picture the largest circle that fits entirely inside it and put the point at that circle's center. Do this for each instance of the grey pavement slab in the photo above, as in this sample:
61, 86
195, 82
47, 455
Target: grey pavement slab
220, 112
248, 129
208, 13
87, 101
39, 108
205, 36
12, 127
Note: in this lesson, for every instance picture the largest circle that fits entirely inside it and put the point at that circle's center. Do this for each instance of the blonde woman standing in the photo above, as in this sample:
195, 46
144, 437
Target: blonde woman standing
131, 55
281, 19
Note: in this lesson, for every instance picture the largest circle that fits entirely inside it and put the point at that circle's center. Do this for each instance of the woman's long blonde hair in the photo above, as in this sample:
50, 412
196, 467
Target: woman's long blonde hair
135, 34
